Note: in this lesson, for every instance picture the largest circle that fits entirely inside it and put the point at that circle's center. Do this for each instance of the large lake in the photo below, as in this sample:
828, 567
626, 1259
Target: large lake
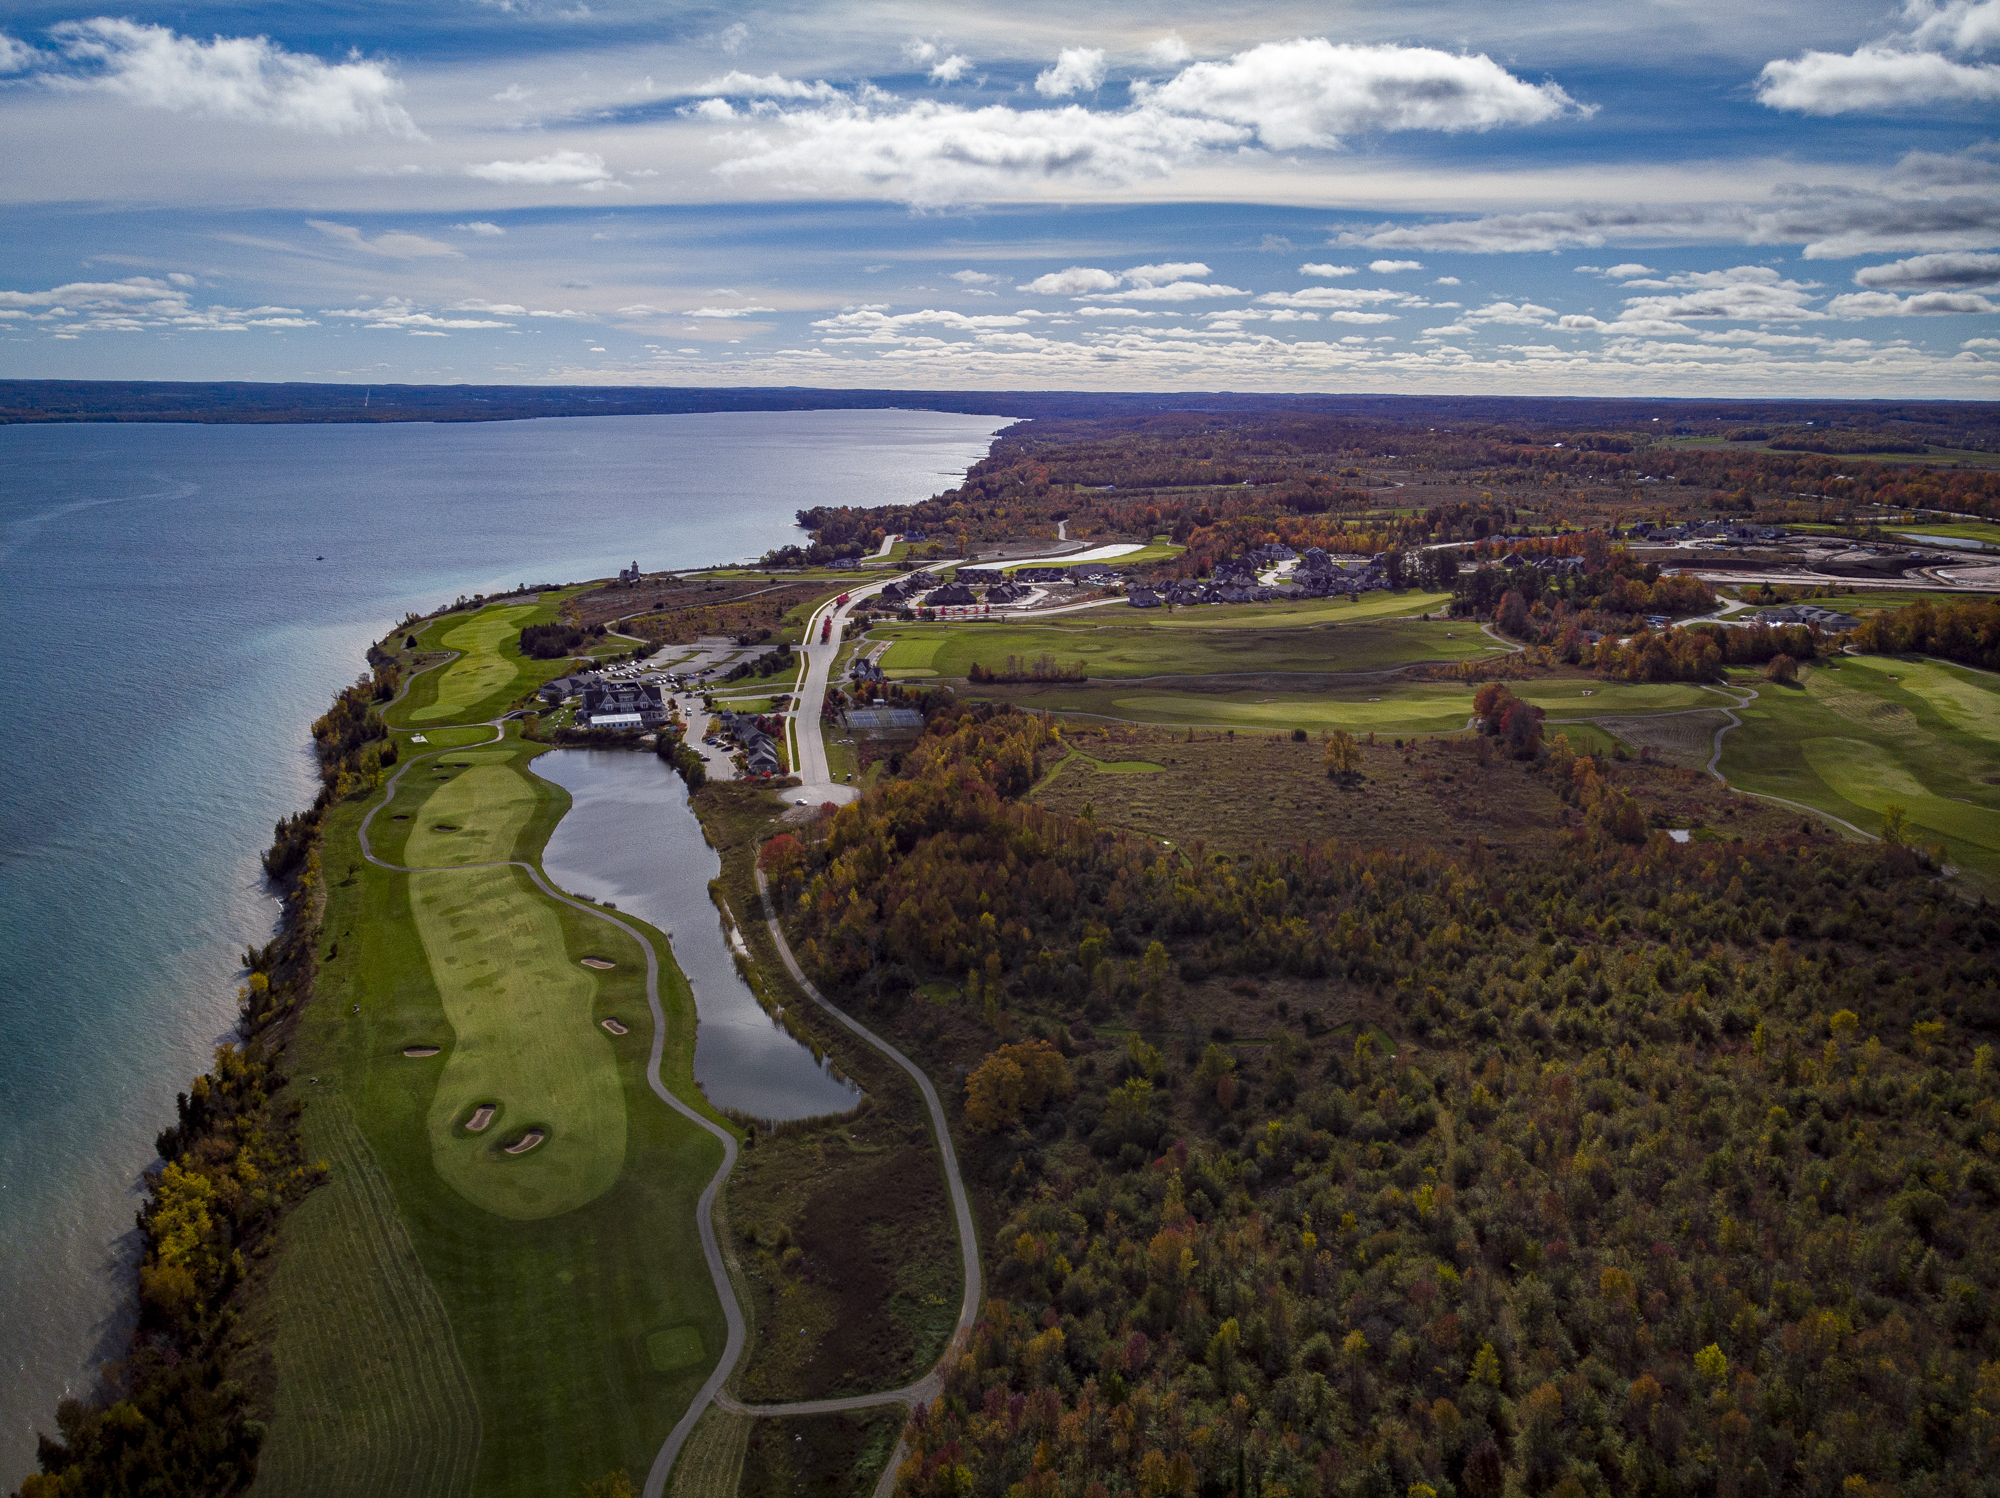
178, 604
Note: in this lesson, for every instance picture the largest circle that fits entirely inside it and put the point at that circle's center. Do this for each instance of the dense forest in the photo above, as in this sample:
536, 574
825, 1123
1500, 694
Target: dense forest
1645, 1168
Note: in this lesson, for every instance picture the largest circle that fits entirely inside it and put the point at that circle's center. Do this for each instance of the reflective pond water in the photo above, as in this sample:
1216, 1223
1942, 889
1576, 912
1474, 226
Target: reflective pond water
631, 838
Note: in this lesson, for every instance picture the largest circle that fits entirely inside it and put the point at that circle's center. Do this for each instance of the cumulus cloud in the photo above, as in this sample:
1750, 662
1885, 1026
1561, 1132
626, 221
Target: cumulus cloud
558, 168
1932, 273
393, 245
1390, 267
876, 324
1283, 96
1874, 78
1077, 70
976, 278
1159, 275
480, 227
1175, 291
1078, 280
235, 78
726, 312
134, 305
1311, 92
1924, 304
1337, 296
1168, 52
1905, 71
15, 57
1311, 268
1628, 270
940, 64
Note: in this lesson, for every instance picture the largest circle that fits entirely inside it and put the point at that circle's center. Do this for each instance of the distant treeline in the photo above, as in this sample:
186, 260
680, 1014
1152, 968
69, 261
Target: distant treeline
1967, 632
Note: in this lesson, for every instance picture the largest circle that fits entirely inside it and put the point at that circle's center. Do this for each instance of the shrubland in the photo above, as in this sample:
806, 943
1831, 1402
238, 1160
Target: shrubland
1640, 1168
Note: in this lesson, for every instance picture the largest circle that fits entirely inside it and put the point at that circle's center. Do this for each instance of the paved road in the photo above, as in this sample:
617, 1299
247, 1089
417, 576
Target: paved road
817, 784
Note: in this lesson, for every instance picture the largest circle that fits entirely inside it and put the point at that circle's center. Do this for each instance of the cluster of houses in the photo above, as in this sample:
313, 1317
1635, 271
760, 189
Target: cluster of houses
755, 737
903, 592
1235, 579
923, 590
1830, 620
1555, 566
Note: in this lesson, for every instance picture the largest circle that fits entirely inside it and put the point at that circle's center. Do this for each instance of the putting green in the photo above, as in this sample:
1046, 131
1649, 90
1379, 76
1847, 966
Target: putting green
487, 805
521, 1014
481, 670
1965, 701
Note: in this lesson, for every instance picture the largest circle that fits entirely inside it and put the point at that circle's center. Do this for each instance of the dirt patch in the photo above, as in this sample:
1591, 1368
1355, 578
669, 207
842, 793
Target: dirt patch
821, 1456
1683, 739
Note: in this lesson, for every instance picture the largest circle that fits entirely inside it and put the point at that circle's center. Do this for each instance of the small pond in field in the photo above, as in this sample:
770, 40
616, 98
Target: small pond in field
630, 838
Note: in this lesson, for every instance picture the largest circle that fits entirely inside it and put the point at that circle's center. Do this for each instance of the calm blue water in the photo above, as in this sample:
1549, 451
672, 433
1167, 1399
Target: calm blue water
169, 636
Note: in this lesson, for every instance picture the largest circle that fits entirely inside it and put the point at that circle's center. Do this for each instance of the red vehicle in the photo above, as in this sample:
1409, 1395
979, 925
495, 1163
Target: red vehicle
841, 601
826, 630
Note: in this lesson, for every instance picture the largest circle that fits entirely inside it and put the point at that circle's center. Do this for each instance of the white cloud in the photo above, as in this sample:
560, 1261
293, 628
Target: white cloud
1321, 269
726, 312
474, 304
1158, 275
236, 78
1924, 304
1176, 291
709, 109
480, 227
950, 69
741, 85
1337, 296
399, 313
1628, 270
1168, 52
976, 278
1874, 77
733, 37
876, 324
1077, 280
1932, 273
136, 304
939, 63
1077, 70
1904, 71
15, 57
582, 168
514, 93
1446, 281
1516, 314
1311, 92
1745, 293
393, 245
1390, 267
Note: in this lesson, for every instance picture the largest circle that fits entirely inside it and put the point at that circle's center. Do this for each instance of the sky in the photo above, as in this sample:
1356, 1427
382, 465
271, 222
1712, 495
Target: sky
1661, 197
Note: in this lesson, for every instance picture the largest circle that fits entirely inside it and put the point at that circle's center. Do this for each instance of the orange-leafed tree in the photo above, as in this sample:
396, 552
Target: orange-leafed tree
1014, 1083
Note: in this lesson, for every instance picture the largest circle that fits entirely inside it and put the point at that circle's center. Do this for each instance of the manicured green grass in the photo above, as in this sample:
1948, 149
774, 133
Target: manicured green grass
551, 1314
1868, 731
523, 1038
485, 668
1121, 648
472, 815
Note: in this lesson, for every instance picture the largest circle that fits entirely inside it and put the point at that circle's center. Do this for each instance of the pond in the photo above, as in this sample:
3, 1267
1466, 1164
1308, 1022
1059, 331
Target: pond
631, 839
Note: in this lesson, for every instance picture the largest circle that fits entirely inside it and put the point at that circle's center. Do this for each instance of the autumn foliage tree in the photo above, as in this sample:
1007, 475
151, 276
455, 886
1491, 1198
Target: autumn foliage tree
1015, 1083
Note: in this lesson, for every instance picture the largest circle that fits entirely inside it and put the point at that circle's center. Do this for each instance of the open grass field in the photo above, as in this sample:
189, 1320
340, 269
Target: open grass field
1209, 644
1963, 530
1230, 794
490, 672
577, 1329
1864, 732
1389, 706
371, 1394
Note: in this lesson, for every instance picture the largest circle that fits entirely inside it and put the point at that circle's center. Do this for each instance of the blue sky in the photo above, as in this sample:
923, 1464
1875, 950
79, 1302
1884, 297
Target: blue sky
1680, 197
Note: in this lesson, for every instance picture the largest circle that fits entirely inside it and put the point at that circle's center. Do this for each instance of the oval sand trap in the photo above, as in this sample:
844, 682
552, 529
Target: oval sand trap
603, 965
420, 1050
481, 1117
615, 1027
526, 1142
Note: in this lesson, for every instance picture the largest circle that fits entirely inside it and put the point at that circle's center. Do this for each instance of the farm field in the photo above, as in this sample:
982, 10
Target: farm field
1207, 644
578, 1352
1866, 732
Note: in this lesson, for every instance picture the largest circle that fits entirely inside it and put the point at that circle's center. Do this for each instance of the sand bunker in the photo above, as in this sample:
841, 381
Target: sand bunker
526, 1142
481, 1117
614, 1027
420, 1050
601, 964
